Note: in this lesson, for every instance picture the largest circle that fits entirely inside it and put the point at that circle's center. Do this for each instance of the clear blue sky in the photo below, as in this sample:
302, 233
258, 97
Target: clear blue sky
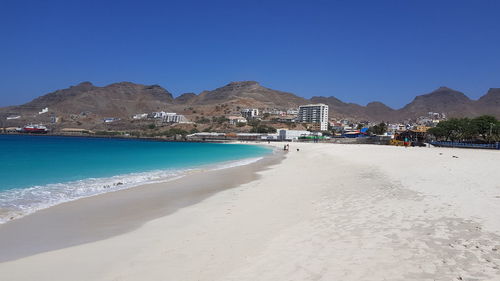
358, 51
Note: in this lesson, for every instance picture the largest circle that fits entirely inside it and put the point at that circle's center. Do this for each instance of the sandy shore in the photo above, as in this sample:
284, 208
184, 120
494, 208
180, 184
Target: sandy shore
109, 214
326, 212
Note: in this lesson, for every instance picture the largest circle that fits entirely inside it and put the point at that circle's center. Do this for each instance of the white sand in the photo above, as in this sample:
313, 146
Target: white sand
328, 212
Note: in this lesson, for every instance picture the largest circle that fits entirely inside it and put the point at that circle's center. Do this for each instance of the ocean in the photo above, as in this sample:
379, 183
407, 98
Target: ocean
37, 172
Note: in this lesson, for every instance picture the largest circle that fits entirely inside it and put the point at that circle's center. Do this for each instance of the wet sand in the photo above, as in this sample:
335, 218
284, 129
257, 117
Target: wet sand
106, 215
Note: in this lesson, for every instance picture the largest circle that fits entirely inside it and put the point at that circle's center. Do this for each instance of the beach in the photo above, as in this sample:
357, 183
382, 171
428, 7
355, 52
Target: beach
323, 212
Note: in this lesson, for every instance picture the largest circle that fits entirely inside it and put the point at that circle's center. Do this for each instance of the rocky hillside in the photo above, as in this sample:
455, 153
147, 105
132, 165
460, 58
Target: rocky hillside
489, 103
125, 99
442, 100
249, 93
447, 100
117, 100
376, 111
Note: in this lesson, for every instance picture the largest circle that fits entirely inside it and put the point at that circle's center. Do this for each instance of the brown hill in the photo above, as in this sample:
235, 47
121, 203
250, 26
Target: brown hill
340, 109
186, 98
116, 100
249, 93
489, 103
377, 111
125, 99
59, 96
449, 101
374, 111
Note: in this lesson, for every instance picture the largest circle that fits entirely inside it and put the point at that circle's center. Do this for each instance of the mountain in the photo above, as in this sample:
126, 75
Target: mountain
442, 100
249, 93
59, 96
378, 111
374, 111
186, 98
125, 99
489, 103
340, 109
118, 100
449, 101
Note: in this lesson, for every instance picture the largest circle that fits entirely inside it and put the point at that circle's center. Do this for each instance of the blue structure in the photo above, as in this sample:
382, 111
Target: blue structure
466, 145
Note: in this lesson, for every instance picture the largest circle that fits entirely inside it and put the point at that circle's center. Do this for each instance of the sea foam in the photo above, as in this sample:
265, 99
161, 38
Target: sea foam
19, 202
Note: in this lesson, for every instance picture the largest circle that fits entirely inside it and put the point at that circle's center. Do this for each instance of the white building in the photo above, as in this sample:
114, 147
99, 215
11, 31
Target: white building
169, 117
174, 118
140, 116
234, 120
269, 137
314, 113
110, 120
276, 112
250, 113
291, 135
158, 115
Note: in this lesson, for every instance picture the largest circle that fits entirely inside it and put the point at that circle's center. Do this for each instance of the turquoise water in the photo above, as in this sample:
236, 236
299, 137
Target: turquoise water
40, 171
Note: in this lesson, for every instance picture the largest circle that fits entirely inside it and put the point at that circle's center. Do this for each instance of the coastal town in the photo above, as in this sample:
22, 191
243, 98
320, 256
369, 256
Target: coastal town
307, 123
250, 140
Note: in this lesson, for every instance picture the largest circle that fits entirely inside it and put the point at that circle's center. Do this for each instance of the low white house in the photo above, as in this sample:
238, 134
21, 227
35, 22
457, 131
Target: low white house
203, 136
270, 137
174, 118
110, 120
169, 117
234, 120
140, 116
158, 115
291, 135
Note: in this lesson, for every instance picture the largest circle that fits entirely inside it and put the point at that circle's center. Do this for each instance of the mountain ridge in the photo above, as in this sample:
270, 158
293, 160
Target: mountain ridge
123, 99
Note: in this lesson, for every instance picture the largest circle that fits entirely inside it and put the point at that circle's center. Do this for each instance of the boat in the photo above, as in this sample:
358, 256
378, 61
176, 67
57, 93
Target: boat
35, 129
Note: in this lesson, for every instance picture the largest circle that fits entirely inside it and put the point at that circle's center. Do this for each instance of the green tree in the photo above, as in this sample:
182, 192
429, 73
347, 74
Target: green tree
466, 129
439, 132
379, 129
483, 126
496, 132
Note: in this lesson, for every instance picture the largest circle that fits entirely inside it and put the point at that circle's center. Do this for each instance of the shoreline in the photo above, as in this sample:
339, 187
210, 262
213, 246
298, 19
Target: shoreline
21, 195
105, 215
107, 137
325, 212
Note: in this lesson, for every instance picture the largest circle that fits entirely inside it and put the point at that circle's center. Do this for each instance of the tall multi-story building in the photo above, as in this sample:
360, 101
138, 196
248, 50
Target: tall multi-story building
314, 113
